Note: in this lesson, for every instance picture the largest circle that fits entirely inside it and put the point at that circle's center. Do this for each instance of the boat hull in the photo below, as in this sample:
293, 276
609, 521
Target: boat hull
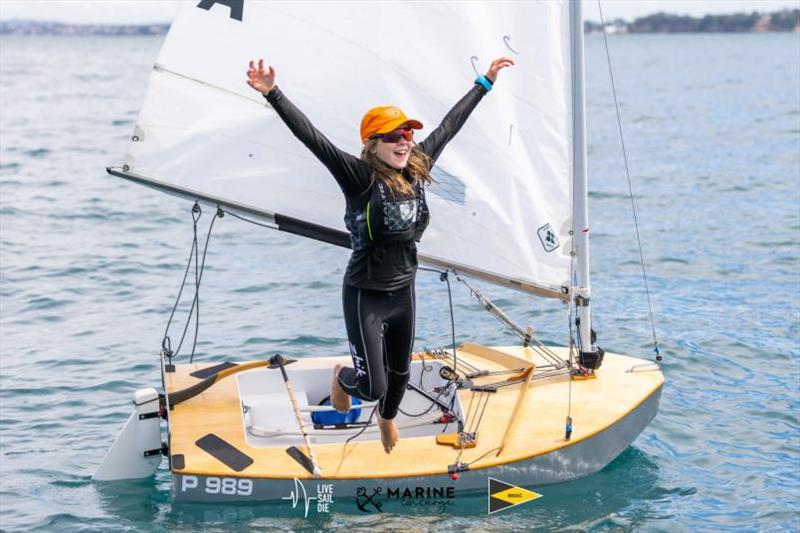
566, 463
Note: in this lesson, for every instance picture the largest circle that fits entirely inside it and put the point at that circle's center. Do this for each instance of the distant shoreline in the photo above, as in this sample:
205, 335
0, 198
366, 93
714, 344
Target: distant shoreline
787, 20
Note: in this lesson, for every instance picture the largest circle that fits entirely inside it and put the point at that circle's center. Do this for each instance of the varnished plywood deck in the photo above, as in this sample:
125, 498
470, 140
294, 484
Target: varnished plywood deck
596, 405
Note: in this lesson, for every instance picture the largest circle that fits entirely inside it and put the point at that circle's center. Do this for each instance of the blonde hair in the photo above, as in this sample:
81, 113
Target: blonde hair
419, 169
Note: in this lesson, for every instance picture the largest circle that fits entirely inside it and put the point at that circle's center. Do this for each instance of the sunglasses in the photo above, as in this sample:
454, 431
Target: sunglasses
395, 136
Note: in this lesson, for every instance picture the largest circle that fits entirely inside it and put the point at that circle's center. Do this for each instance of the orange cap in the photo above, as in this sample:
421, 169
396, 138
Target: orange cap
385, 119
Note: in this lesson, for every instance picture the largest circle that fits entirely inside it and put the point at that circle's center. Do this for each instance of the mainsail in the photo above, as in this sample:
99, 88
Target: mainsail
502, 202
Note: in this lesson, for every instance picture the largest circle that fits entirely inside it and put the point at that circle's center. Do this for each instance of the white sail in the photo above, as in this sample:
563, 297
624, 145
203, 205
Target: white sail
502, 202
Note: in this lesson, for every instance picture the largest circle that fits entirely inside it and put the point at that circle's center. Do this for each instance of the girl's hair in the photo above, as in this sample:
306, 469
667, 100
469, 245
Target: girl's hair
418, 167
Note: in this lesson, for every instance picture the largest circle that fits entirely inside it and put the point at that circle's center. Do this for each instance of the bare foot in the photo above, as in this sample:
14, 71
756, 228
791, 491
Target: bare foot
340, 400
388, 433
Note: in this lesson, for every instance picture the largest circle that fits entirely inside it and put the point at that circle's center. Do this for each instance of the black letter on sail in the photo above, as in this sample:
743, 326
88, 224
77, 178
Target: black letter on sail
236, 6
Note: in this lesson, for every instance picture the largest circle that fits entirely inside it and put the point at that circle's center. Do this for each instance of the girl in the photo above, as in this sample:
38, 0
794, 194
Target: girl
386, 215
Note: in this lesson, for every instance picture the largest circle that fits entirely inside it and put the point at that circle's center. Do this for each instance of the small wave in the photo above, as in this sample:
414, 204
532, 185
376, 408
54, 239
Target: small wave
607, 195
38, 153
262, 287
43, 302
678, 260
310, 339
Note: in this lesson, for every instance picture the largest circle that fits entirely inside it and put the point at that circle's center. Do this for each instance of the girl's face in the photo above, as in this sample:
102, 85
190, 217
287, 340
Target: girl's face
393, 148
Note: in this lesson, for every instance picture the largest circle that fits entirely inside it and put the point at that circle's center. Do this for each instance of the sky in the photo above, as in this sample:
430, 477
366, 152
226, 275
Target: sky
162, 11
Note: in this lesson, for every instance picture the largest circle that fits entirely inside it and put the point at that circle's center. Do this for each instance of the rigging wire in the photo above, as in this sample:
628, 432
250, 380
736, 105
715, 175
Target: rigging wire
630, 187
443, 276
526, 335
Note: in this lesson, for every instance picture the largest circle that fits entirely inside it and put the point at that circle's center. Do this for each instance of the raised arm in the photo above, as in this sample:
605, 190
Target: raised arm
457, 116
350, 172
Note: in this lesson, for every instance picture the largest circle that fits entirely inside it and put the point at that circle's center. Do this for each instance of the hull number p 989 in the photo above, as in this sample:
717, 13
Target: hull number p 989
228, 486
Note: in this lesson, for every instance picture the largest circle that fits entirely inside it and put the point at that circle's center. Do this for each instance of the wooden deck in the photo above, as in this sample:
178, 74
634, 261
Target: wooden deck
539, 427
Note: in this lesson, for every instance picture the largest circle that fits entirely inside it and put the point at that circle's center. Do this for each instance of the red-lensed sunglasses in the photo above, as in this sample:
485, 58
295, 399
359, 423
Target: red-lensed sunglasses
395, 136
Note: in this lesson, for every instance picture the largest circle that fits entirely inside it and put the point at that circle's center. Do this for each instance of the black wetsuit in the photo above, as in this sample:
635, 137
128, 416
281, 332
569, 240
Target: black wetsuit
378, 288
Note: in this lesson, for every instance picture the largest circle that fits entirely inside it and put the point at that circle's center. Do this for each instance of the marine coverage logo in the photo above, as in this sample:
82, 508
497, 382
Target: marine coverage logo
502, 496
434, 499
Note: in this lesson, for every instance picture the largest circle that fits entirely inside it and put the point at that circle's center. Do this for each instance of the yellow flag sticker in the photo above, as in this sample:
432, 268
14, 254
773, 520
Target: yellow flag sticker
502, 495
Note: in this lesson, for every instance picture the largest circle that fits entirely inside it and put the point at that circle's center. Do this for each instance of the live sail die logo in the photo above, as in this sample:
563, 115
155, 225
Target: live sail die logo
502, 495
548, 237
299, 497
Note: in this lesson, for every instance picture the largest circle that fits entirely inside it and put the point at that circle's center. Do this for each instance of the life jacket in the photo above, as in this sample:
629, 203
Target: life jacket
380, 217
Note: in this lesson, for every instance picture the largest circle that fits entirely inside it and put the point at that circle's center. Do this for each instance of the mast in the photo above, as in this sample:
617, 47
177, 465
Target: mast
580, 216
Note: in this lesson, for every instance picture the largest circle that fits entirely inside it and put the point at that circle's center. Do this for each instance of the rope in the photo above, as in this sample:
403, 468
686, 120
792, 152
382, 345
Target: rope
198, 277
166, 342
234, 215
630, 187
433, 404
369, 421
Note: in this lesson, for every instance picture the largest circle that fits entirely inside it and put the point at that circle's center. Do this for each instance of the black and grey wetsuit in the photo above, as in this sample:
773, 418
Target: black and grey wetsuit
378, 291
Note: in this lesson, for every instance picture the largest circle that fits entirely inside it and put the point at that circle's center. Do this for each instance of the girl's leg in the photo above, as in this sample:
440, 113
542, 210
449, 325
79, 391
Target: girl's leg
362, 317
399, 342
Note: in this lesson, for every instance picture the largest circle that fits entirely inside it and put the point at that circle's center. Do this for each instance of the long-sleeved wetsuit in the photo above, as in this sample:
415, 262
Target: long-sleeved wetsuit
378, 289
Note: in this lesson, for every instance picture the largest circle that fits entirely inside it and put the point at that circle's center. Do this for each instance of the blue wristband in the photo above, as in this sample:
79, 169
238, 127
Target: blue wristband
485, 82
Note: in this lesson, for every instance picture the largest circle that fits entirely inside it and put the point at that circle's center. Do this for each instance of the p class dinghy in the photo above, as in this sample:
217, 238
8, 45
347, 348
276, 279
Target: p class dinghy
509, 207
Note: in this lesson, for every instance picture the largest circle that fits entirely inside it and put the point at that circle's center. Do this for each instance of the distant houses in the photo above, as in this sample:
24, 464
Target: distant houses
37, 27
786, 20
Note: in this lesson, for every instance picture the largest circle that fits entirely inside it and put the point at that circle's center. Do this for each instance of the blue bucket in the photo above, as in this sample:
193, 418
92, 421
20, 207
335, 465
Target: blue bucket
334, 417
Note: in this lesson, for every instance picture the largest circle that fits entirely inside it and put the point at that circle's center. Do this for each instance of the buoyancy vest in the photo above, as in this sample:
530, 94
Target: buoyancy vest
381, 217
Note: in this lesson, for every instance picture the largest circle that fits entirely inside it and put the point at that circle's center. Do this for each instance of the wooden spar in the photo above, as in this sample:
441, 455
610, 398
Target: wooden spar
278, 359
515, 413
512, 362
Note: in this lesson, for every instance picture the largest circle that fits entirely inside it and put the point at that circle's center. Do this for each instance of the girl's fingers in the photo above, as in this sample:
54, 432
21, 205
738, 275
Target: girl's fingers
503, 62
260, 65
271, 70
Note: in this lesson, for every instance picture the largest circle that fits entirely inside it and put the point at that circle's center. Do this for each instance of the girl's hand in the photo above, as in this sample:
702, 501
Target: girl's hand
496, 66
259, 79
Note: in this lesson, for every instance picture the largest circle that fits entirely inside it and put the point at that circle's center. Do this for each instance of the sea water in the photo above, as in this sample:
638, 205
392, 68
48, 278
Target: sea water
90, 266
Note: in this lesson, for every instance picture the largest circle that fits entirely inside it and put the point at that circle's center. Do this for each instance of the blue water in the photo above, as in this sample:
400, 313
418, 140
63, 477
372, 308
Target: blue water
90, 265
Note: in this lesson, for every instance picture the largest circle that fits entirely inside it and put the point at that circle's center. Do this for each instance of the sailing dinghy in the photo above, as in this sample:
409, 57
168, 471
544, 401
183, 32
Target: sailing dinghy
509, 207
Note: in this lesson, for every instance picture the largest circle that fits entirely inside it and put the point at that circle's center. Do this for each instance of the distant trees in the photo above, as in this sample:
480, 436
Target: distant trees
786, 20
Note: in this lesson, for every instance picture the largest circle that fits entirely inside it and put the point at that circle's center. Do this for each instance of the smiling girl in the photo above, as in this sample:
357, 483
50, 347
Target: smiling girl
386, 215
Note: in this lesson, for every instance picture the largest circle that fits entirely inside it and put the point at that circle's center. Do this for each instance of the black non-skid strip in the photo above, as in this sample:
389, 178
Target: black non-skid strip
224, 452
295, 453
204, 373
178, 461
